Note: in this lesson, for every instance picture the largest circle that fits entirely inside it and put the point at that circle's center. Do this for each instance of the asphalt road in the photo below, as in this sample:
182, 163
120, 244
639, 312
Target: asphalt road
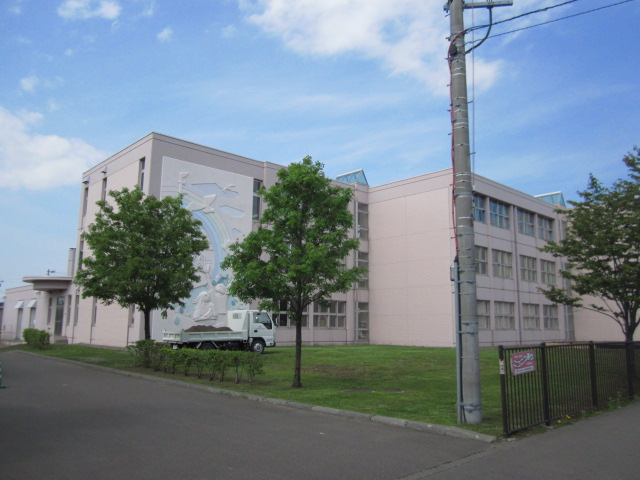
60, 420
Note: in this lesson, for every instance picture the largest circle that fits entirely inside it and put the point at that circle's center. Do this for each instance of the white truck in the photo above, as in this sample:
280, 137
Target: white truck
246, 330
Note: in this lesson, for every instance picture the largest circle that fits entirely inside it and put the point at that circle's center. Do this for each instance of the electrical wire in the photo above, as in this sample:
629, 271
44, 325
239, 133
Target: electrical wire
561, 18
488, 31
542, 23
539, 10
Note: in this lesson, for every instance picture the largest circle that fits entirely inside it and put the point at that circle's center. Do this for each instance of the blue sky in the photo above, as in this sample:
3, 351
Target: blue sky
353, 83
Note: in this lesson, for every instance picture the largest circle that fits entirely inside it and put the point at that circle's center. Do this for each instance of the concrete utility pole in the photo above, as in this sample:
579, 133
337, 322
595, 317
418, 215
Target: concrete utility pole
470, 407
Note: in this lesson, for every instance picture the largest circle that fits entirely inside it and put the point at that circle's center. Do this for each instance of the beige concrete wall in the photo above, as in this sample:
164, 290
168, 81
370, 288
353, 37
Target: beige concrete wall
409, 255
597, 327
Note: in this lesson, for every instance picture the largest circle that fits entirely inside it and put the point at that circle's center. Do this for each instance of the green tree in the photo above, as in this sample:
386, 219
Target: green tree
142, 253
298, 252
602, 246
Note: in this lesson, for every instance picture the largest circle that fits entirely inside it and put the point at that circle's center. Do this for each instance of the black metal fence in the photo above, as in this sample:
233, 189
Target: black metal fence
543, 383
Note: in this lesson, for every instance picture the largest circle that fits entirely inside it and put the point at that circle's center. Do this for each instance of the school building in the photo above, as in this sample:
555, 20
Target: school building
405, 229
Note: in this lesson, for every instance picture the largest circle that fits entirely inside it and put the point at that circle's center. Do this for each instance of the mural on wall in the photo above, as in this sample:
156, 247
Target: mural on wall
222, 201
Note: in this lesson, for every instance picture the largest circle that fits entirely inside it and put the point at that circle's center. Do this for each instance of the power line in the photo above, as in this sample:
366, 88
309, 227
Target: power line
549, 21
539, 10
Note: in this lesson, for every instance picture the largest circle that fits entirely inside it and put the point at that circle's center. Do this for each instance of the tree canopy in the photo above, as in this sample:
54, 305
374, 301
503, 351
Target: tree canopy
142, 252
299, 250
602, 246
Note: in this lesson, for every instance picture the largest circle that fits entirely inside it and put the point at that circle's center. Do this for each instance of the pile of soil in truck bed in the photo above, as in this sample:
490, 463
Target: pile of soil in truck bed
207, 328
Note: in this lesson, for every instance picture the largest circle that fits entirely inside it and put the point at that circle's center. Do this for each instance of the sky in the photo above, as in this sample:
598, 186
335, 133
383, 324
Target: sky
353, 83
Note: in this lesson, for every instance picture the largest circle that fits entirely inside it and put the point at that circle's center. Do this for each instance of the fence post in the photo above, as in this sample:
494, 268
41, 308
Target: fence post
592, 373
503, 390
629, 355
545, 385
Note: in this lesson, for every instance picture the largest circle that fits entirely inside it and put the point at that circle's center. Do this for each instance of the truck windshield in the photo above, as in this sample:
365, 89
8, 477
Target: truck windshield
262, 318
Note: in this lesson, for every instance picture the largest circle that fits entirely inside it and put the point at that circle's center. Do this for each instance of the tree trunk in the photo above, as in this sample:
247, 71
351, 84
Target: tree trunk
147, 324
630, 324
297, 383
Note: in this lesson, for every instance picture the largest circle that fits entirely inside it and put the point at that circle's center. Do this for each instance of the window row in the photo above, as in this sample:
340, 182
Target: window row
333, 315
502, 266
504, 317
500, 216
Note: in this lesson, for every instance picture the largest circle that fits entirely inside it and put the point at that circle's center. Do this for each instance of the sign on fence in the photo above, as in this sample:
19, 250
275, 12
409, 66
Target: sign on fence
523, 362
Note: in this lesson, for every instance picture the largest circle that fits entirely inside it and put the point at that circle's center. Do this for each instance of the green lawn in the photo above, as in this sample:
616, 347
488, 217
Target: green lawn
413, 383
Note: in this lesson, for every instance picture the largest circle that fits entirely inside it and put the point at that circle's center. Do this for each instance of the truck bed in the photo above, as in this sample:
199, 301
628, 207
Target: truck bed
197, 337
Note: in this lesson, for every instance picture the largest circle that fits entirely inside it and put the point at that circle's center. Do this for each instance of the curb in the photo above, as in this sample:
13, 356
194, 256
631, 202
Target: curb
346, 414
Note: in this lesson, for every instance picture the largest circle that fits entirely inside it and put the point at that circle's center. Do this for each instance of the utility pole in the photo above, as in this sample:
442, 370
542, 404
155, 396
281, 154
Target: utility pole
470, 407
468, 346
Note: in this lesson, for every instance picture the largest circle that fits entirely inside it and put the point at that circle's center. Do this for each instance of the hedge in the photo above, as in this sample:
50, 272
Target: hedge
215, 363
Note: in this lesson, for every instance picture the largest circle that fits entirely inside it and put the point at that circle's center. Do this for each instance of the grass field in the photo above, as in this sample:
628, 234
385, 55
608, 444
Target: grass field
412, 383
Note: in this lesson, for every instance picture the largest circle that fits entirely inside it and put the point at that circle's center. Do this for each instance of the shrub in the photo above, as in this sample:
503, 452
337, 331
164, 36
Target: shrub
156, 355
146, 353
253, 365
36, 338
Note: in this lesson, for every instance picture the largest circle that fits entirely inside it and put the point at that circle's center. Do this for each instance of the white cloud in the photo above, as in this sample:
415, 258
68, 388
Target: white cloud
229, 31
37, 162
165, 35
28, 84
407, 36
85, 9
150, 10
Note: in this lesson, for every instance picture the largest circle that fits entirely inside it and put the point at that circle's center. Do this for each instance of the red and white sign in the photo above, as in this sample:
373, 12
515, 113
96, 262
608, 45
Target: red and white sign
523, 362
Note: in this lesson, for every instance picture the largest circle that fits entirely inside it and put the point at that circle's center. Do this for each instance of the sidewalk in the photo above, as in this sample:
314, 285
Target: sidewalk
602, 447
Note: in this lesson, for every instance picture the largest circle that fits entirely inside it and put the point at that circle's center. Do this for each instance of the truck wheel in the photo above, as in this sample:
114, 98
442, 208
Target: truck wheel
257, 346
207, 346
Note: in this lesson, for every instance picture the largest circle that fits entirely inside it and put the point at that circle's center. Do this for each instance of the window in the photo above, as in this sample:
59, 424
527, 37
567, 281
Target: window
331, 316
531, 316
526, 223
479, 209
257, 184
481, 261
548, 272
76, 308
505, 317
528, 269
103, 193
132, 315
550, 314
94, 312
141, 164
85, 201
499, 214
50, 311
545, 228
362, 229
32, 313
282, 317
263, 319
363, 261
68, 310
363, 321
80, 254
484, 315
502, 266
